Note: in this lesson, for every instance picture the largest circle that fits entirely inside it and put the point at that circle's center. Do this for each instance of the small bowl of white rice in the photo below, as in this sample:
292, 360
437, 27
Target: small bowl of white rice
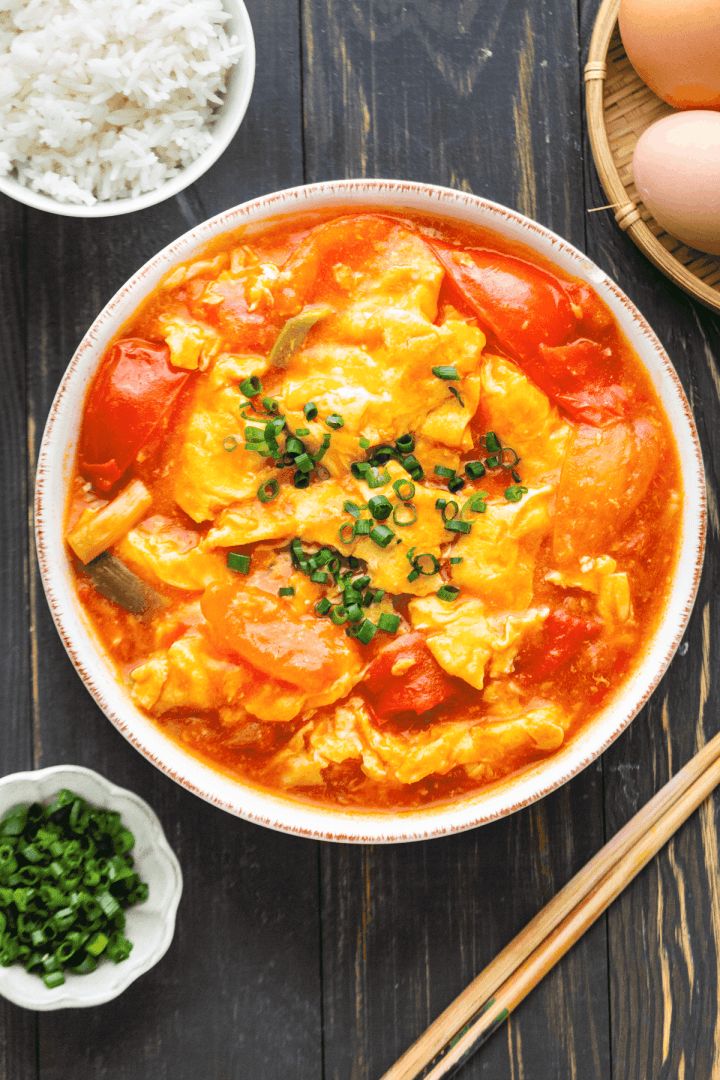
110, 106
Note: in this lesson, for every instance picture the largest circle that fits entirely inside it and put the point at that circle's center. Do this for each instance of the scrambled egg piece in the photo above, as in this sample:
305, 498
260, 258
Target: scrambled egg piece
499, 554
160, 550
488, 747
192, 345
599, 576
189, 674
468, 643
206, 474
525, 418
372, 362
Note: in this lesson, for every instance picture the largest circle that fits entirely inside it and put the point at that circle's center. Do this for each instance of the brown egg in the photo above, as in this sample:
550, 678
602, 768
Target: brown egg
677, 173
674, 46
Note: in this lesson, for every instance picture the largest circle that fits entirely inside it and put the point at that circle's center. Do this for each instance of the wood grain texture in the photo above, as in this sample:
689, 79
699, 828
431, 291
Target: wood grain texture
456, 94
664, 933
17, 1049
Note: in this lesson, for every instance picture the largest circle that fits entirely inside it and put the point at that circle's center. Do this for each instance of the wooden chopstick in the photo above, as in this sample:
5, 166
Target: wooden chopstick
527, 958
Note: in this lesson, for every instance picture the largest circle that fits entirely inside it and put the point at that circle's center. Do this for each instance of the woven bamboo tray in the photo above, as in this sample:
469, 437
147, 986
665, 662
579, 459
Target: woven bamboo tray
619, 108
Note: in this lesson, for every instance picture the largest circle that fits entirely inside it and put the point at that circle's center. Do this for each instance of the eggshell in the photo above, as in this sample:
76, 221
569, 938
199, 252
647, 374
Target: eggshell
674, 46
677, 174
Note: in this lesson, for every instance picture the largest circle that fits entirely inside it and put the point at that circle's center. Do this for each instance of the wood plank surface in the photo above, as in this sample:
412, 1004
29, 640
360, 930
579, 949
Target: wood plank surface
455, 94
17, 1049
664, 932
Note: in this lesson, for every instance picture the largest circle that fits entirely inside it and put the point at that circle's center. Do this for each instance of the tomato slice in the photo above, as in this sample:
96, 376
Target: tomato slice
563, 636
351, 240
531, 315
522, 305
606, 473
299, 649
580, 379
406, 678
131, 394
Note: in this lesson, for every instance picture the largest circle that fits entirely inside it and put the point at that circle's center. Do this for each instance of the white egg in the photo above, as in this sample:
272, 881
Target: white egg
677, 174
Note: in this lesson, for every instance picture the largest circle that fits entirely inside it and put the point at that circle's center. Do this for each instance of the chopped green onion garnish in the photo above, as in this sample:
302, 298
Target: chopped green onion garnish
491, 442
515, 492
310, 410
286, 590
346, 533
302, 431
270, 405
359, 469
404, 489
366, 632
456, 559
508, 457
352, 508
456, 393
476, 503
382, 535
239, 563
378, 595
377, 478
450, 510
320, 577
446, 371
354, 612
304, 463
413, 467
456, 484
388, 622
440, 504
474, 469
413, 575
444, 471
251, 386
448, 593
338, 615
380, 507
268, 491
458, 526
383, 454
516, 476
492, 462
323, 606
324, 447
335, 421
294, 446
406, 443
363, 443
405, 514
363, 527
425, 564
230, 443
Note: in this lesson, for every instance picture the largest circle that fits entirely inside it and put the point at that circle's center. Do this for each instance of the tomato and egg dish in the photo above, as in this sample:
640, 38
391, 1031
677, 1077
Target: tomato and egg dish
372, 508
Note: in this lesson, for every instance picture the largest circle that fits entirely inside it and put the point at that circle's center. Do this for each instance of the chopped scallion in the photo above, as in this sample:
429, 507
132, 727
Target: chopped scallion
239, 563
446, 371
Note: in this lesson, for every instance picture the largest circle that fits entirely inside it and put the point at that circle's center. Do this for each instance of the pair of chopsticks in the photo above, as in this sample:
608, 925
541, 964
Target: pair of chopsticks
481, 1008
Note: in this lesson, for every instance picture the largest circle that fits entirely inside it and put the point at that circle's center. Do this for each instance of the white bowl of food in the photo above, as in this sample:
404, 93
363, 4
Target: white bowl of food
116, 108
149, 923
383, 518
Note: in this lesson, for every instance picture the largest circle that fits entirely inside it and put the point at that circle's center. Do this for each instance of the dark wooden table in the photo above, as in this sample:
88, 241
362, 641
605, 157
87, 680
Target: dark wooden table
296, 960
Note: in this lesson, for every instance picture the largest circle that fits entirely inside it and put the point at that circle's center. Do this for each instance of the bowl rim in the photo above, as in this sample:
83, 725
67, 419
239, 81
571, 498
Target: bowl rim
65, 996
283, 812
230, 116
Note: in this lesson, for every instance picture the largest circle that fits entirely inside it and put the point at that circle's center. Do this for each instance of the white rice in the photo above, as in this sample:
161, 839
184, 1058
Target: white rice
107, 99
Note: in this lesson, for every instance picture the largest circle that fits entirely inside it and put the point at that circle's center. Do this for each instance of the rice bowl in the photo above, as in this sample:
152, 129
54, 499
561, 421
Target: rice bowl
130, 126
